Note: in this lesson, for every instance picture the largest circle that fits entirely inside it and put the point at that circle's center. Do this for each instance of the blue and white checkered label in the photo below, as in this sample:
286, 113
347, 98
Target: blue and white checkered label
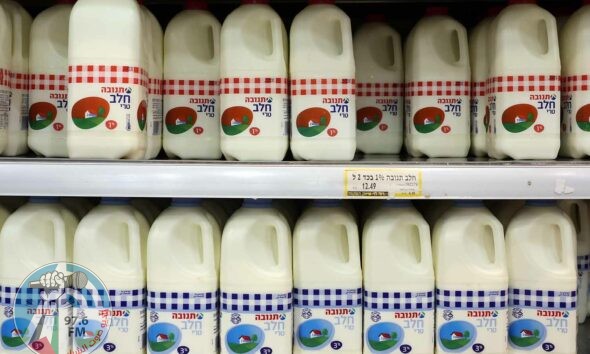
190, 317
330, 318
543, 299
400, 321
471, 320
584, 263
119, 299
128, 322
256, 303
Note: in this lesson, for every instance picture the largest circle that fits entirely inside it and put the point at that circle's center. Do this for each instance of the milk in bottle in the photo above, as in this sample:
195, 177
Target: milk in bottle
480, 112
5, 70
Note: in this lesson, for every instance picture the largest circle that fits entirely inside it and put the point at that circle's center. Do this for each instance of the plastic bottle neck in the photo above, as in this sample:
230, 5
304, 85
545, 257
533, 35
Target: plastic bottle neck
185, 202
115, 201
257, 203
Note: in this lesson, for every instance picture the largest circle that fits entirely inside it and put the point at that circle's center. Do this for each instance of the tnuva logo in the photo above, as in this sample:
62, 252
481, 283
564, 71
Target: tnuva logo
368, 118
526, 334
456, 336
180, 120
583, 118
313, 121
428, 119
142, 114
162, 337
236, 119
384, 337
315, 334
244, 339
41, 115
519, 117
90, 112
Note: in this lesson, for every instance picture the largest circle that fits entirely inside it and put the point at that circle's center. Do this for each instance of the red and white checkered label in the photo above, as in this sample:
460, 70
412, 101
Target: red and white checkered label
4, 77
155, 86
478, 89
575, 83
190, 87
379, 89
19, 81
254, 86
48, 82
524, 83
107, 74
438, 88
323, 87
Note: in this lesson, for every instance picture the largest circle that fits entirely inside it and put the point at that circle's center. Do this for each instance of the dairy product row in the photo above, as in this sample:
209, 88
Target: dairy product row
190, 279
248, 91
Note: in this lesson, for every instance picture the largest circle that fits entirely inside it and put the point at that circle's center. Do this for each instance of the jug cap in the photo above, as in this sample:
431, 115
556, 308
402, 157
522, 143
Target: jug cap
515, 2
397, 203
437, 11
185, 202
327, 203
114, 201
319, 2
195, 5
376, 18
468, 203
541, 202
250, 2
44, 200
257, 203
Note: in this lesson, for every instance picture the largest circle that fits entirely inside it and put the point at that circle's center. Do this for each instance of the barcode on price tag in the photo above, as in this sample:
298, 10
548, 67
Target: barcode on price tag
382, 183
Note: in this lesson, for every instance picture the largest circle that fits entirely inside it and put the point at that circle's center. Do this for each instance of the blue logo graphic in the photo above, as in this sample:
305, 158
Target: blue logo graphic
244, 339
384, 337
163, 337
457, 336
315, 334
526, 334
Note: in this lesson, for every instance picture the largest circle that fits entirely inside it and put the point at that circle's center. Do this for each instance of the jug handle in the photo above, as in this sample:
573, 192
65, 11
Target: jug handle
499, 242
568, 248
208, 245
345, 27
425, 247
353, 244
59, 228
397, 51
553, 43
134, 238
216, 42
463, 46
277, 37
283, 234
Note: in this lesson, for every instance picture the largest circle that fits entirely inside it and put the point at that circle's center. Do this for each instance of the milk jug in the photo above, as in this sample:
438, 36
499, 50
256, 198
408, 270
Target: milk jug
541, 245
577, 210
5, 70
79, 206
155, 67
191, 86
256, 281
437, 87
327, 281
379, 88
254, 96
323, 86
4, 213
398, 281
107, 91
111, 241
471, 281
183, 280
480, 112
524, 83
38, 233
504, 210
19, 76
575, 94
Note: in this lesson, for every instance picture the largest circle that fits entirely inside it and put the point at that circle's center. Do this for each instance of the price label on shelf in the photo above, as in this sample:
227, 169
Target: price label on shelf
382, 183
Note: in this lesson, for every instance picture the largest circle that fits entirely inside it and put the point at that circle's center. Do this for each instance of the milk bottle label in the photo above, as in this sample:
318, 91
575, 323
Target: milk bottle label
525, 104
542, 319
437, 107
182, 322
128, 322
471, 321
399, 322
583, 267
192, 107
379, 107
480, 112
108, 98
576, 104
18, 116
255, 107
48, 99
323, 108
155, 105
5, 94
329, 318
256, 323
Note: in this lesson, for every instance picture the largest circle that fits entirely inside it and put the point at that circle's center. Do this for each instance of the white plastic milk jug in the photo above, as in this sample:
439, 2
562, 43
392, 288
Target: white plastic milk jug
191, 86
577, 210
541, 247
327, 281
254, 88
480, 112
398, 279
471, 281
524, 83
108, 81
37, 234
48, 68
575, 93
111, 242
256, 281
183, 280
379, 88
5, 70
504, 210
437, 87
19, 75
323, 106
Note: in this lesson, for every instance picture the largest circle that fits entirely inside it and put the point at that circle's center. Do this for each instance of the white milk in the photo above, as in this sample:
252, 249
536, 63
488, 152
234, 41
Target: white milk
19, 102
328, 281
5, 69
107, 91
323, 106
524, 84
38, 233
577, 210
480, 112
505, 210
48, 95
398, 280
111, 241
191, 86
379, 89
254, 88
155, 69
79, 206
575, 94
183, 279
471, 281
256, 281
437, 88
541, 246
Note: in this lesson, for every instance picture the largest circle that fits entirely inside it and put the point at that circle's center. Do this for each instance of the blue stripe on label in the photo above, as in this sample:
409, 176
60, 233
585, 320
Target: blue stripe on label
471, 299
322, 298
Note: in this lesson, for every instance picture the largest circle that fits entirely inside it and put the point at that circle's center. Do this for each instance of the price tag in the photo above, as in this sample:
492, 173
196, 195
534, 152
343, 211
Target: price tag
382, 183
